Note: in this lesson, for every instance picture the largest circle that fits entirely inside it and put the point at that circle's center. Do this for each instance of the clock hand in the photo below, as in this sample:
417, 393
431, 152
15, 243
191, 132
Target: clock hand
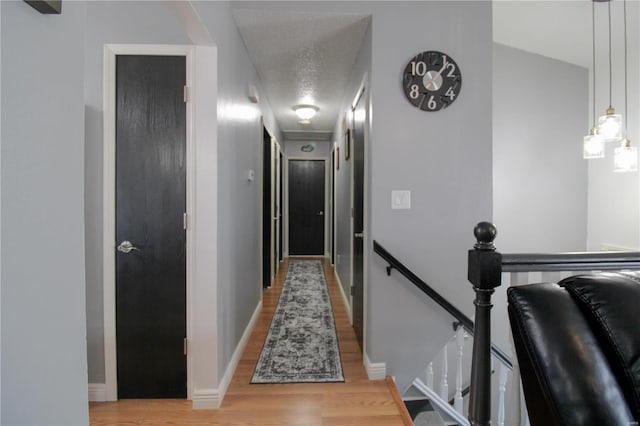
432, 84
441, 69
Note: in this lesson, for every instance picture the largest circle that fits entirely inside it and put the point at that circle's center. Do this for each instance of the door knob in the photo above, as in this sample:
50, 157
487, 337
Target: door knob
321, 213
359, 235
126, 247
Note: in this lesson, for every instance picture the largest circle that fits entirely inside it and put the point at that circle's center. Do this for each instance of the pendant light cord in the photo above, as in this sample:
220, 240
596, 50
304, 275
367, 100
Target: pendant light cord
610, 67
626, 116
593, 56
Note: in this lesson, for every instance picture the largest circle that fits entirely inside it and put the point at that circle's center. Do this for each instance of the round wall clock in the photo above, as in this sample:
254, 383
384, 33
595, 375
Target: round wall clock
431, 80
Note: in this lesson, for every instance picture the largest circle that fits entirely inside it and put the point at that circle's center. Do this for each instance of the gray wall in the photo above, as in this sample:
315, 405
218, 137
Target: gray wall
239, 137
321, 149
239, 150
109, 22
539, 176
361, 67
540, 115
443, 158
44, 357
614, 198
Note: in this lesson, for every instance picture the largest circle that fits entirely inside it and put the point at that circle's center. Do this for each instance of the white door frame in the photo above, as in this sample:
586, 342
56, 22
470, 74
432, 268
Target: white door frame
109, 243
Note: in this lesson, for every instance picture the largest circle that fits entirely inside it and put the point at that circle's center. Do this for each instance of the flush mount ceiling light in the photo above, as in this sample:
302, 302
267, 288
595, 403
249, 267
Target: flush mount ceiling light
305, 112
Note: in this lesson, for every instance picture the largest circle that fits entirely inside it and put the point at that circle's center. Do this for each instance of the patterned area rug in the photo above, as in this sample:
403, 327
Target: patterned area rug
302, 344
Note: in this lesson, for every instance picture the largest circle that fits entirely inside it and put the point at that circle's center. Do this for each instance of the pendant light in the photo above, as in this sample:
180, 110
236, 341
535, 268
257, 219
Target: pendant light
610, 124
626, 156
593, 145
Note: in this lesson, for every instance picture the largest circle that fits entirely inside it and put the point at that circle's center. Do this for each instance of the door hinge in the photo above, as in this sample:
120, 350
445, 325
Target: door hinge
351, 211
184, 221
187, 94
185, 346
352, 291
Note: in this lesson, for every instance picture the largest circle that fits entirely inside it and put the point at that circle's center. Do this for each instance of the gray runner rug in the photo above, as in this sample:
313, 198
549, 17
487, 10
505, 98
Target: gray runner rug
302, 344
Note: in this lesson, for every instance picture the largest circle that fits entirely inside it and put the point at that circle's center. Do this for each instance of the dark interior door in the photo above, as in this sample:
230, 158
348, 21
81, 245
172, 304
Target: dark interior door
332, 197
359, 114
306, 207
276, 212
150, 203
280, 198
267, 214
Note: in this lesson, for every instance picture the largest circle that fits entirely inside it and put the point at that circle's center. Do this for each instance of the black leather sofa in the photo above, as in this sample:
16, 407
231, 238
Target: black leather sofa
578, 348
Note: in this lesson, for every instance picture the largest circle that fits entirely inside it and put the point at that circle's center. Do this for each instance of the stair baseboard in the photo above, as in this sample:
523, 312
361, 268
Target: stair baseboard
375, 371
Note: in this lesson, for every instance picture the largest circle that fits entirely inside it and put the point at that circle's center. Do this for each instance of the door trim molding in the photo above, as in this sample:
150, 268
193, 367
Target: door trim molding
109, 243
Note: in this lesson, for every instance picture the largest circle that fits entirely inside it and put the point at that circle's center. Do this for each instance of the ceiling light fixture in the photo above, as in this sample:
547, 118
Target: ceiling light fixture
626, 156
610, 124
305, 112
593, 145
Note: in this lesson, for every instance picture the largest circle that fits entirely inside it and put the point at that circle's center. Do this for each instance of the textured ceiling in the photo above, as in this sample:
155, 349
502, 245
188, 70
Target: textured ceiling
302, 58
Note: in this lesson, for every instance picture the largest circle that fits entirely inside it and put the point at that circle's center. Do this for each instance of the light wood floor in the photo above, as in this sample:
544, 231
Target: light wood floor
357, 401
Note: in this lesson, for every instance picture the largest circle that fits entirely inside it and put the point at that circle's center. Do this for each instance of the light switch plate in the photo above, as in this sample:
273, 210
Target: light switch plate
400, 200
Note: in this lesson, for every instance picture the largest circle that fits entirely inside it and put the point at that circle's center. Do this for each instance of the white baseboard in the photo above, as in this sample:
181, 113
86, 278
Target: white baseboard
97, 392
375, 371
206, 399
345, 299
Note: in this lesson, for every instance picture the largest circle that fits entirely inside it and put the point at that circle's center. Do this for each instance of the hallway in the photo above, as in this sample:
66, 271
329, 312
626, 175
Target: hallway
357, 401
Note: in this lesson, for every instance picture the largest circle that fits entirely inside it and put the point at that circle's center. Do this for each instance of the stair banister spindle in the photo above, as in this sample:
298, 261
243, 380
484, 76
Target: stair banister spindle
430, 375
457, 402
484, 272
504, 375
444, 380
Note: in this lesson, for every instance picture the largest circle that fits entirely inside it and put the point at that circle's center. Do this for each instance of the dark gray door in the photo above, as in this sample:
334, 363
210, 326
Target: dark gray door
267, 213
280, 204
359, 114
150, 203
306, 207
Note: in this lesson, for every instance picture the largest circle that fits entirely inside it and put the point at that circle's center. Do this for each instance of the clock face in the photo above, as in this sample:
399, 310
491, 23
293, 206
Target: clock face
431, 81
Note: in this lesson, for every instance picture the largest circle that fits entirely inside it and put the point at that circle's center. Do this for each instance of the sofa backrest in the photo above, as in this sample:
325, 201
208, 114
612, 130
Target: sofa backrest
566, 375
611, 302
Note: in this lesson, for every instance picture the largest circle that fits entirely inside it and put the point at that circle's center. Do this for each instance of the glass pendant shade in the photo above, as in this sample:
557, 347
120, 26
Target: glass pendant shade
610, 126
625, 158
593, 145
